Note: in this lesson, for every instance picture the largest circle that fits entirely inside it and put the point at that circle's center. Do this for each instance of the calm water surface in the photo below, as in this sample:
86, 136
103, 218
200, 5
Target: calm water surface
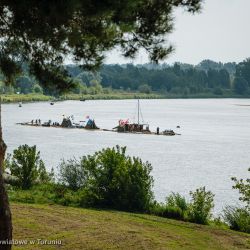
214, 143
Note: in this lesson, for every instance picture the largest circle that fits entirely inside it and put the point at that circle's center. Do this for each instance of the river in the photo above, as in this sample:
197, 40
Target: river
214, 144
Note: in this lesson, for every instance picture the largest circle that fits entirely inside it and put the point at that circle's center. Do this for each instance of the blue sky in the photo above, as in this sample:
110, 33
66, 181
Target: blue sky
220, 32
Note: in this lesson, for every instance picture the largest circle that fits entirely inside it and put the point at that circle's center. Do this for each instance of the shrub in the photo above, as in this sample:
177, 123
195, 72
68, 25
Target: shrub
237, 218
243, 187
201, 205
116, 181
144, 88
176, 200
218, 91
72, 174
174, 208
162, 210
27, 166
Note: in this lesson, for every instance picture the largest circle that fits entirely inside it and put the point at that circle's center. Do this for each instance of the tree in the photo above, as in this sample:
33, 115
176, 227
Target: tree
43, 33
72, 174
240, 85
243, 187
114, 180
243, 70
202, 202
24, 84
27, 166
37, 89
144, 88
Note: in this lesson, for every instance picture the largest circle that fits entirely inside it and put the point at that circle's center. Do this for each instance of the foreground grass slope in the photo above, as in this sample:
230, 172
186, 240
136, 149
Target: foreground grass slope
94, 229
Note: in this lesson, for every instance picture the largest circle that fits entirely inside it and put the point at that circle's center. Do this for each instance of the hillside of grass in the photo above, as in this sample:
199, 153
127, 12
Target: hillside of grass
97, 229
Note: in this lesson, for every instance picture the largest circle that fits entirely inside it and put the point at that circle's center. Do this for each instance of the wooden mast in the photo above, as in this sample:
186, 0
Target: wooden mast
138, 112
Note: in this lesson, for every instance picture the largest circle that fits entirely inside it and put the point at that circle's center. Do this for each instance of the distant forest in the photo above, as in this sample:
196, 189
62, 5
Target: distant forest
206, 78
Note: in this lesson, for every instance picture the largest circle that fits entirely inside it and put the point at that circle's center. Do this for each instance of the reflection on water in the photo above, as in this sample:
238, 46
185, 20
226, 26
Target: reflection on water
214, 145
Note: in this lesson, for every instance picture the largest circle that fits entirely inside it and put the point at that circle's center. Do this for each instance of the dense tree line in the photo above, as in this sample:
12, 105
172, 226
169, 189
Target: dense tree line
208, 77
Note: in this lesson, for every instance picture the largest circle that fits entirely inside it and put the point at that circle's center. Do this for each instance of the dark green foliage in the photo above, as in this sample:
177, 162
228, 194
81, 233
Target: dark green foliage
24, 84
237, 218
72, 174
145, 88
201, 205
50, 193
242, 77
47, 31
176, 200
111, 179
243, 70
163, 210
37, 89
240, 86
27, 167
177, 80
175, 207
243, 186
218, 91
118, 181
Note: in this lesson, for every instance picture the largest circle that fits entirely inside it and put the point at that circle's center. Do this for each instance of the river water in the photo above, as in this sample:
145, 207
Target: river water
214, 144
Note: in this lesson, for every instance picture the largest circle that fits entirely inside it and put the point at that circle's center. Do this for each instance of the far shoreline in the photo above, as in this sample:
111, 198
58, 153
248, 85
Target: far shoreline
30, 98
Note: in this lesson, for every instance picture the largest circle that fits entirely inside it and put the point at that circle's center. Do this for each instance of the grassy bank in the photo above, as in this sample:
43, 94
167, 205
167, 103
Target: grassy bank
111, 96
130, 95
13, 98
96, 229
24, 98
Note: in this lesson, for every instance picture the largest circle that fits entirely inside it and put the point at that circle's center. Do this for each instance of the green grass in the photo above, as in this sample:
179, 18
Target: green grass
12, 98
116, 95
97, 229
111, 96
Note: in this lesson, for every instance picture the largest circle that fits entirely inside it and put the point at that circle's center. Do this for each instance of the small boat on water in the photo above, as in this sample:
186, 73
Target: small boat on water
52, 103
67, 122
139, 127
20, 104
124, 126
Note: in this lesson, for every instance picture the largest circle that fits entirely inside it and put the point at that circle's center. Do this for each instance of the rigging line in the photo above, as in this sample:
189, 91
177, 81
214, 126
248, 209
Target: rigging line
134, 114
141, 115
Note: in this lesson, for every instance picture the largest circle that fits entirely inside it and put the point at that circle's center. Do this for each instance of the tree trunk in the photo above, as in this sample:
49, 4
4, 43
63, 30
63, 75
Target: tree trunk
5, 214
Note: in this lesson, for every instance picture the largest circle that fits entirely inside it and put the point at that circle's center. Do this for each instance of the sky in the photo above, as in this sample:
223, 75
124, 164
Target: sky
220, 32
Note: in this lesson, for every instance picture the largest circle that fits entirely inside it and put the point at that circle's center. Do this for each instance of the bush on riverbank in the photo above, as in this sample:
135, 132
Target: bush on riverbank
176, 207
27, 167
202, 202
238, 218
111, 179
